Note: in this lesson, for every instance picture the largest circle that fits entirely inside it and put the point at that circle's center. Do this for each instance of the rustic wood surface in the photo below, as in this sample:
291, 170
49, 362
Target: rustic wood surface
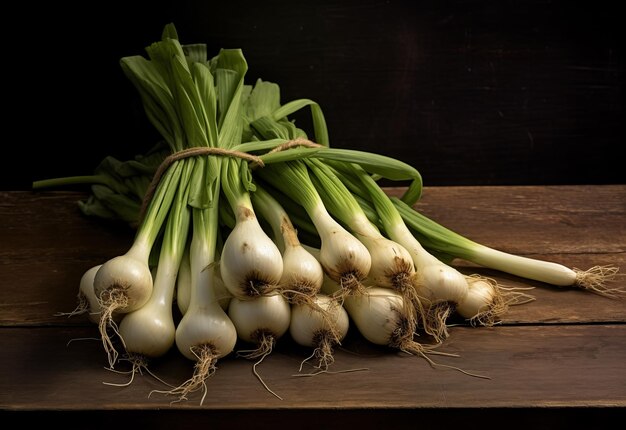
557, 359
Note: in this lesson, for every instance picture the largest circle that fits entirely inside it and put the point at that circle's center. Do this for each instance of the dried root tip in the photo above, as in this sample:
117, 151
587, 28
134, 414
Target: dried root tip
503, 299
403, 332
350, 282
415, 348
110, 301
306, 287
298, 296
434, 320
403, 282
424, 352
265, 341
82, 307
203, 369
412, 347
596, 278
138, 362
486, 301
256, 287
412, 309
350, 285
494, 311
408, 313
323, 353
331, 331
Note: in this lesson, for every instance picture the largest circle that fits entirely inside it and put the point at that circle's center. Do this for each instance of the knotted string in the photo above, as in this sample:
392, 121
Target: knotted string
255, 160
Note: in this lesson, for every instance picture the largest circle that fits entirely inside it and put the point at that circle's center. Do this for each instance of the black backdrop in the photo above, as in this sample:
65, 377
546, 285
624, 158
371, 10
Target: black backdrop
470, 92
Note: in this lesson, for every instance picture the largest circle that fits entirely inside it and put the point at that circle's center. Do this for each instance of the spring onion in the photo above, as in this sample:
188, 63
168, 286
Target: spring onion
442, 239
149, 331
302, 273
124, 283
251, 263
260, 321
255, 231
378, 315
87, 302
321, 326
343, 257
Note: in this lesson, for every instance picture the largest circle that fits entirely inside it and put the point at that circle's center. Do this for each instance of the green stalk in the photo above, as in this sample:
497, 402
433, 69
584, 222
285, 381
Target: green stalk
124, 207
293, 180
259, 145
232, 186
297, 214
319, 122
203, 252
177, 227
81, 180
338, 199
437, 237
159, 205
383, 166
344, 258
272, 212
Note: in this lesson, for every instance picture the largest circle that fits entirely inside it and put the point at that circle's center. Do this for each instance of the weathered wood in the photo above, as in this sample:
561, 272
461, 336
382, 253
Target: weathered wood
46, 245
531, 220
564, 350
529, 366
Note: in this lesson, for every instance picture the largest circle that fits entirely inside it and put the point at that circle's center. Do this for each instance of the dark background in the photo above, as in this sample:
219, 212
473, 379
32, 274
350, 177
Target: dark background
469, 92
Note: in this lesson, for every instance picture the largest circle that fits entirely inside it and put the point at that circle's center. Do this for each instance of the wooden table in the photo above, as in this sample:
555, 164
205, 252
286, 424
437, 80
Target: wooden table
553, 362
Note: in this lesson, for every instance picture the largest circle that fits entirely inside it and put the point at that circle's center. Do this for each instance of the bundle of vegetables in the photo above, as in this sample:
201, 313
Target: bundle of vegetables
253, 231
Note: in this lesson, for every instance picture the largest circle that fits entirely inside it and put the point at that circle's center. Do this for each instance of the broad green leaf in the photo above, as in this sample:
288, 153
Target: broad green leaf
226, 82
263, 101
94, 207
169, 31
232, 59
245, 176
270, 129
208, 100
230, 73
156, 96
189, 105
290, 155
195, 53
199, 196
259, 145
319, 122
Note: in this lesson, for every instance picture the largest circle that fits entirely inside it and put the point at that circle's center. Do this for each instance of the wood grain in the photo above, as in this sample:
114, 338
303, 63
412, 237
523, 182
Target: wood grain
529, 366
572, 225
558, 359
45, 247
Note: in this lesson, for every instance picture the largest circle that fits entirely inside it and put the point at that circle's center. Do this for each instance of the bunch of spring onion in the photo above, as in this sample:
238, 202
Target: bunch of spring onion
257, 232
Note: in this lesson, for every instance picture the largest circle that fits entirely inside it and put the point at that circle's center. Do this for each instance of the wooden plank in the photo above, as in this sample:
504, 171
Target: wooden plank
557, 305
48, 229
536, 366
531, 220
577, 226
45, 247
529, 367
